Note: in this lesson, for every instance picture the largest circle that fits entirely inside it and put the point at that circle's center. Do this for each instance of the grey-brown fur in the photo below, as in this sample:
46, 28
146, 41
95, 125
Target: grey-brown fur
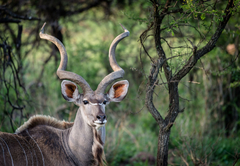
42, 141
38, 145
44, 120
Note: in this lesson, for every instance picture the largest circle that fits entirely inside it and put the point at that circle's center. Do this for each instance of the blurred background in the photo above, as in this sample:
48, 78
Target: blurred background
207, 130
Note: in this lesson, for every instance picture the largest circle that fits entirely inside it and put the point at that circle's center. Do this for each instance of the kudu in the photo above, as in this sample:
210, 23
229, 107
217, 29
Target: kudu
43, 140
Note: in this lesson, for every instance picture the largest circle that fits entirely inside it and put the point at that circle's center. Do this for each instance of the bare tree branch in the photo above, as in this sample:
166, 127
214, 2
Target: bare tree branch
8, 12
152, 79
208, 47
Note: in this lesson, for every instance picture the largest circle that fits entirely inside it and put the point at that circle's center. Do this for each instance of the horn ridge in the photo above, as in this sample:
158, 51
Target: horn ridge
62, 74
59, 45
118, 72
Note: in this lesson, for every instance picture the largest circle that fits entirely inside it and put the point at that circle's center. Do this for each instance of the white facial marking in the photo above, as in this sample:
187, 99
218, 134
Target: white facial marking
95, 103
99, 124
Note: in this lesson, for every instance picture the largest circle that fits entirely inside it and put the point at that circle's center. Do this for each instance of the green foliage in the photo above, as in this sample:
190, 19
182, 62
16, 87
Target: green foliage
210, 150
138, 15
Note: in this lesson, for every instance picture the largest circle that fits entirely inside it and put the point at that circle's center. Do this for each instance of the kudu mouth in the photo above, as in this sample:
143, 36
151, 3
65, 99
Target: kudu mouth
98, 123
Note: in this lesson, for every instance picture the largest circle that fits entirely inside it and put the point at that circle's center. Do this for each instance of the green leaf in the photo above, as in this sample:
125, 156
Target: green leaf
203, 16
195, 15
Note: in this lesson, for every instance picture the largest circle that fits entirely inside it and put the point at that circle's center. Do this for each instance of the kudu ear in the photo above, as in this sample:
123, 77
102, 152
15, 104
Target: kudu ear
118, 91
69, 91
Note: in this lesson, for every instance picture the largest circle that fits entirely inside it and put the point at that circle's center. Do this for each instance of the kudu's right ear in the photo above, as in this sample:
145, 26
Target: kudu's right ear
69, 91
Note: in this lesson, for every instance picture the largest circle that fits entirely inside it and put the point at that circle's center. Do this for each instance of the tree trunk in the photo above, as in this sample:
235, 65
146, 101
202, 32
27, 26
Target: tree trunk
163, 140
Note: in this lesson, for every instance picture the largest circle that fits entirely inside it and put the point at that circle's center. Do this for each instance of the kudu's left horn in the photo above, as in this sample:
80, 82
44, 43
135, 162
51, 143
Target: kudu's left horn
62, 74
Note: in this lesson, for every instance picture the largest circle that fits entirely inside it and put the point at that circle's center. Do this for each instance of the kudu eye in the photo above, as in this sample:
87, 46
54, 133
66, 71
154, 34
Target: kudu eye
105, 102
85, 102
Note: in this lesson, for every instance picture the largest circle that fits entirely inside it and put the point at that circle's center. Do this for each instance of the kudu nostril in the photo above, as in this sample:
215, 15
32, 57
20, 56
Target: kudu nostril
101, 117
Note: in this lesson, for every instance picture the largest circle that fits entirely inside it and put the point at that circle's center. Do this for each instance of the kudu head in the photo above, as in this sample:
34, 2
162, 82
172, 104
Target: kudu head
91, 103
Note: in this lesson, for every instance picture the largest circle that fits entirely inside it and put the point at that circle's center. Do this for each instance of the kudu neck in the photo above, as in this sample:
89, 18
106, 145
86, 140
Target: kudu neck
81, 139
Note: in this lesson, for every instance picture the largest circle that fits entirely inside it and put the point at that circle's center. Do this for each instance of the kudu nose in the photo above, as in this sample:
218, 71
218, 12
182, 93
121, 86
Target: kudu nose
101, 117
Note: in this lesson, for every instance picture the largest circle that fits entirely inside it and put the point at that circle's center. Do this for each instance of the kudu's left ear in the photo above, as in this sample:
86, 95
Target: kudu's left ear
69, 91
118, 91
